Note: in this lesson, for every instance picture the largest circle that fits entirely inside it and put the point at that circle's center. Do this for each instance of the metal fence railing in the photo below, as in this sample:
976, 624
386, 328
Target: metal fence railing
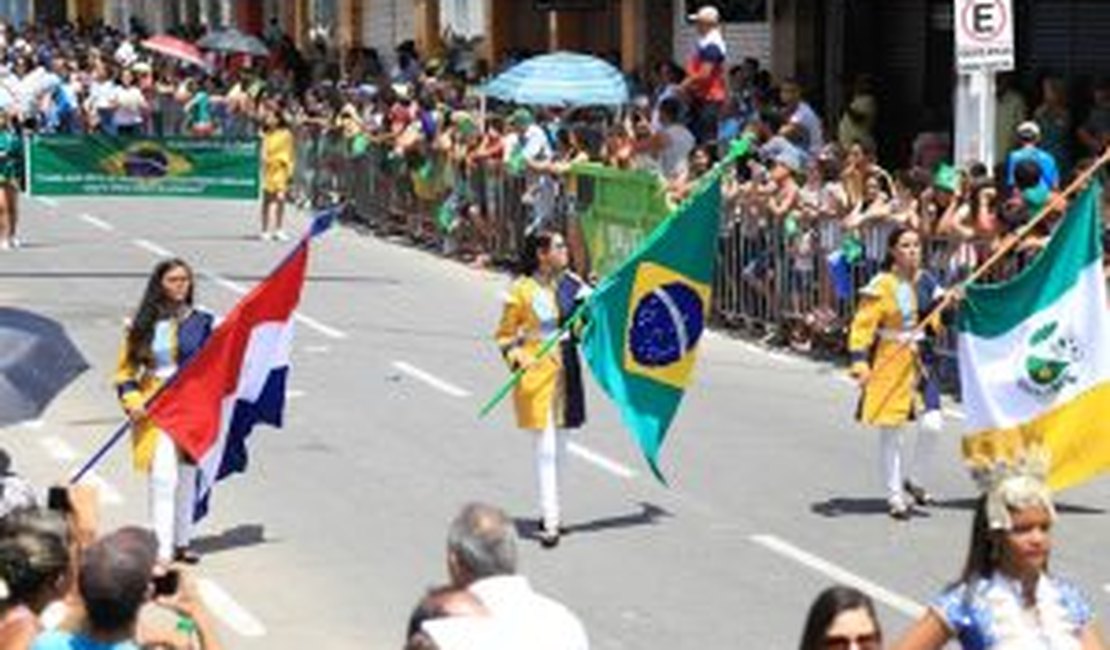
795, 284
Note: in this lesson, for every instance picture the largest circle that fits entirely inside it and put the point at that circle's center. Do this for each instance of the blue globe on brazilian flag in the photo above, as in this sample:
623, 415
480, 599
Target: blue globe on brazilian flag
646, 319
146, 159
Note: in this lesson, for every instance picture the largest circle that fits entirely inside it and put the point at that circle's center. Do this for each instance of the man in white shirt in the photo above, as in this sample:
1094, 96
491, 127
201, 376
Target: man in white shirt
796, 111
481, 557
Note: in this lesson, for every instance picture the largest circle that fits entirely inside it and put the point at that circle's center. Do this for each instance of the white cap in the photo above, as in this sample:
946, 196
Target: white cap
1029, 130
707, 14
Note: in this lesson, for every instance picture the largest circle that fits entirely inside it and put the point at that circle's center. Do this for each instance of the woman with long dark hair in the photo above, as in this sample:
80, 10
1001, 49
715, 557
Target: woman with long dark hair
165, 332
34, 572
842, 618
1006, 596
891, 361
549, 399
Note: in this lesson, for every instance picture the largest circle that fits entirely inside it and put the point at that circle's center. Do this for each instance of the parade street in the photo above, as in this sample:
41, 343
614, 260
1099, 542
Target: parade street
340, 523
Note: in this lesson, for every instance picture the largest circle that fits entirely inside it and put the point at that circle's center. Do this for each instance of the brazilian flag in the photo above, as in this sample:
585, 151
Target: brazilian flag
645, 320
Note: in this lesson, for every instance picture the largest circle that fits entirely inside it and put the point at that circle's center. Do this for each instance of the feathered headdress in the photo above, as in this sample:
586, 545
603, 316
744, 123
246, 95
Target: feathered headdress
1013, 477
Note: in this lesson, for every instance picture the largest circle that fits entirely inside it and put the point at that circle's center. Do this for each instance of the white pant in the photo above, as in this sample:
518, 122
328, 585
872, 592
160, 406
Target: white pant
172, 484
551, 452
893, 465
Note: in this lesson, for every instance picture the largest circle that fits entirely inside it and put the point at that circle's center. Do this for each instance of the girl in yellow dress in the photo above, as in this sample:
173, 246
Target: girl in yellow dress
549, 399
891, 361
277, 171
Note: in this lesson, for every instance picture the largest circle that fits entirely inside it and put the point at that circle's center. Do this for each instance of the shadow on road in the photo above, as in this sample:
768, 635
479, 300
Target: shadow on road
238, 537
649, 514
846, 506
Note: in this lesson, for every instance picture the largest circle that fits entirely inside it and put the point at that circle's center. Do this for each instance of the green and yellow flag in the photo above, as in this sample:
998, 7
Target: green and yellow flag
645, 320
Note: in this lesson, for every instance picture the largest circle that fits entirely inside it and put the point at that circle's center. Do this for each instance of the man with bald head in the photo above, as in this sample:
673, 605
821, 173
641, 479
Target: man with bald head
482, 558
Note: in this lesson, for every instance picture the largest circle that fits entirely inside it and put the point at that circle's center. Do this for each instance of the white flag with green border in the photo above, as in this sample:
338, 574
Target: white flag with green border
1034, 355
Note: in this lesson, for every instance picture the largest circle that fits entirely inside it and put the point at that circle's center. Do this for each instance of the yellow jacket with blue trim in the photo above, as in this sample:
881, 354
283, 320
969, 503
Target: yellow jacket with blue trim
532, 312
882, 341
137, 384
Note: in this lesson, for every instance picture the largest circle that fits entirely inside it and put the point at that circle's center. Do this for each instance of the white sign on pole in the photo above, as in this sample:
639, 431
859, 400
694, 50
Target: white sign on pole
984, 35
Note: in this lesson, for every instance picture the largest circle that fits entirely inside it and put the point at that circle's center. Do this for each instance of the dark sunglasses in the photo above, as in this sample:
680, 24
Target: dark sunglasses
873, 641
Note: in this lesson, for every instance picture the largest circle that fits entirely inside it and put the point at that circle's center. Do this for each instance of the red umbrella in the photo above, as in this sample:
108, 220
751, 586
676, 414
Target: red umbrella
175, 48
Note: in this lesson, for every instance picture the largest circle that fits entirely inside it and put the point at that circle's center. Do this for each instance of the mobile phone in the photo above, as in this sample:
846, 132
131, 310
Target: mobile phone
167, 583
57, 499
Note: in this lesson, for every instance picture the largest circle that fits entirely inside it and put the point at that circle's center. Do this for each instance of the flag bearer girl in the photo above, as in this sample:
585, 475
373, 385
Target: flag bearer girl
893, 363
165, 332
549, 399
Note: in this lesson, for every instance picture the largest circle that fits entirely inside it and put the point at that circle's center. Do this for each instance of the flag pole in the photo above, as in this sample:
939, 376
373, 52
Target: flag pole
953, 295
703, 184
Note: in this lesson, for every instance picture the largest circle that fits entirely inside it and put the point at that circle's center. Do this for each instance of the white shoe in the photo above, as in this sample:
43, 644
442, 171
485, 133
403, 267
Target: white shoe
5, 245
15, 243
265, 235
280, 235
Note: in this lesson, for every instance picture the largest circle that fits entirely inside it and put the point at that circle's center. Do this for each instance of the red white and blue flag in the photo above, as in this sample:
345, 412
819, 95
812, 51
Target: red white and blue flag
237, 379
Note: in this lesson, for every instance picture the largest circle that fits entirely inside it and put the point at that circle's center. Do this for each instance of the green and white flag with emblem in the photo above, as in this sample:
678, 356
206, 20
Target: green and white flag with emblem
1035, 355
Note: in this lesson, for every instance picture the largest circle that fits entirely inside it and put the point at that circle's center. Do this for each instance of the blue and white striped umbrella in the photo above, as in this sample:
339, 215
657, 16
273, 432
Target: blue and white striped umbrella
561, 79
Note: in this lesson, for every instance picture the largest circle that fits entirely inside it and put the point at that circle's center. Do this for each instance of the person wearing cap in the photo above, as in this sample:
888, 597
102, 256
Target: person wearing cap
533, 154
1029, 136
1006, 596
705, 83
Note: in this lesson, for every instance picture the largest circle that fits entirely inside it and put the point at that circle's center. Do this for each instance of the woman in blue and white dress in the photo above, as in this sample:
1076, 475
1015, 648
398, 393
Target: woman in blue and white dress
1006, 598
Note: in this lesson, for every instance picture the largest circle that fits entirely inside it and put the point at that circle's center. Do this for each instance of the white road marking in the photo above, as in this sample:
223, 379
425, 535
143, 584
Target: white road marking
151, 247
58, 449
109, 495
34, 425
96, 223
228, 610
294, 394
430, 379
778, 356
1106, 587
230, 285
319, 327
47, 201
594, 458
317, 349
838, 574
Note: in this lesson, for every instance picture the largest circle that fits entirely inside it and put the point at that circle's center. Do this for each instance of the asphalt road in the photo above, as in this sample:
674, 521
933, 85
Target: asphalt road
340, 522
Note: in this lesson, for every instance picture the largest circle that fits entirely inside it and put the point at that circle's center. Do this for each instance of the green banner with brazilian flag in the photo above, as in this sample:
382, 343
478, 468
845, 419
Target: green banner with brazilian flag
645, 320
98, 165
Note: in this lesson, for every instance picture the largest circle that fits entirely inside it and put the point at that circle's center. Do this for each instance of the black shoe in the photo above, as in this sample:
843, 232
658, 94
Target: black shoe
920, 495
548, 539
899, 510
184, 555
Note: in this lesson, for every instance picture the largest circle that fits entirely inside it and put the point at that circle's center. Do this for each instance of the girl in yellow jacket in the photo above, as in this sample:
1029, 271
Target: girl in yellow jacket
277, 171
164, 333
549, 399
893, 364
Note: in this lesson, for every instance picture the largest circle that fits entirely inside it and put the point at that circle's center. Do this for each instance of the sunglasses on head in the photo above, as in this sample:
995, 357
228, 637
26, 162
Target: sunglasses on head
873, 641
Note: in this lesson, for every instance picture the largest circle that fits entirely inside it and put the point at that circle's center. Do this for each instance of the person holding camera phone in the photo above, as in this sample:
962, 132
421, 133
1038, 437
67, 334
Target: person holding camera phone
166, 331
117, 575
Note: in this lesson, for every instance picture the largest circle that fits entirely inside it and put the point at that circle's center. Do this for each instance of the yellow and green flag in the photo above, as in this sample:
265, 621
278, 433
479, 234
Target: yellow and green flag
645, 320
1034, 356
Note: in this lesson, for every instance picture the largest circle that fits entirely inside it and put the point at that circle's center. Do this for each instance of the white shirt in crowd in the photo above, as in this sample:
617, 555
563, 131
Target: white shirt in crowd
805, 117
531, 620
129, 109
674, 157
536, 146
102, 94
